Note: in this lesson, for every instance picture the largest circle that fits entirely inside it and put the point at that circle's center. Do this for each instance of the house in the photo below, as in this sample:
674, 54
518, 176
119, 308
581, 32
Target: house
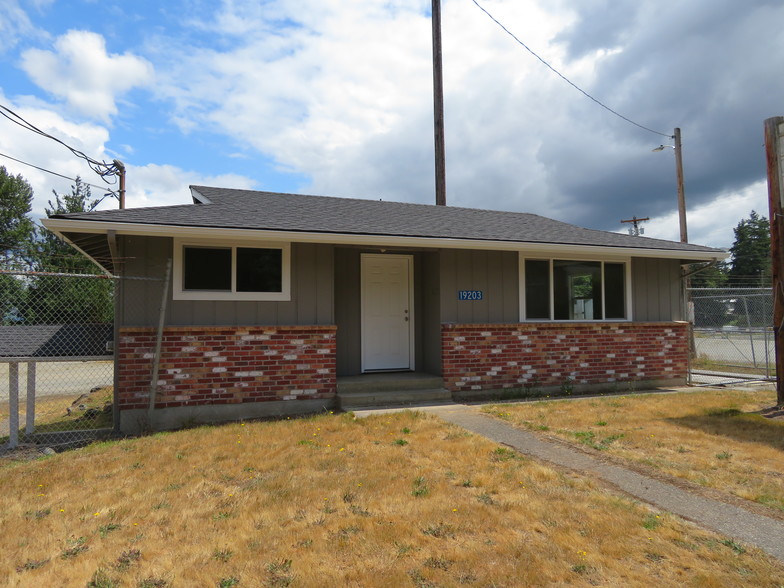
274, 299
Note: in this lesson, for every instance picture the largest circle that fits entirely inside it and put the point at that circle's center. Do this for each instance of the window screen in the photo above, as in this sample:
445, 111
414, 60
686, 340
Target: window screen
615, 290
537, 289
259, 270
206, 268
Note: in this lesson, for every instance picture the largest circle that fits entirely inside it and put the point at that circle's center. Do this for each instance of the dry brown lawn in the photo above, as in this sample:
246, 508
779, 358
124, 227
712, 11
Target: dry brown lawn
392, 500
713, 438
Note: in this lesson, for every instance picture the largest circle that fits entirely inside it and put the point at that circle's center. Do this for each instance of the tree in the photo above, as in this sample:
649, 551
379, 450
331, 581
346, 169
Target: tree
713, 276
17, 233
53, 254
67, 299
751, 260
17, 230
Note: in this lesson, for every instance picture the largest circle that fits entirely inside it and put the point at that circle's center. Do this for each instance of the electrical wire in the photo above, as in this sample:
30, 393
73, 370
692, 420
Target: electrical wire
49, 171
103, 169
564, 78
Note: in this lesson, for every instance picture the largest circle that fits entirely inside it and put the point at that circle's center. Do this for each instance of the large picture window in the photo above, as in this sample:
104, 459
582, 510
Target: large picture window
219, 271
574, 290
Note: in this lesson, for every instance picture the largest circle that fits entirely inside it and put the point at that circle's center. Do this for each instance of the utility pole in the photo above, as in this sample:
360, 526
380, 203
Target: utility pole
679, 177
438, 106
774, 151
635, 230
120, 167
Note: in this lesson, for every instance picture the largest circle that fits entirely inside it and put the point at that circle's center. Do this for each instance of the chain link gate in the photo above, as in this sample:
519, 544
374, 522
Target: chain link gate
56, 359
733, 335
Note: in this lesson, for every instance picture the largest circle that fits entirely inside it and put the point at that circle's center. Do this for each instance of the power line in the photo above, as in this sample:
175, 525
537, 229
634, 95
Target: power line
51, 172
564, 78
102, 168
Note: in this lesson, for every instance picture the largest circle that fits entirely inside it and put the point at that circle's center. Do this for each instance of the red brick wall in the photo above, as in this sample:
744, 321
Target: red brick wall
489, 357
223, 365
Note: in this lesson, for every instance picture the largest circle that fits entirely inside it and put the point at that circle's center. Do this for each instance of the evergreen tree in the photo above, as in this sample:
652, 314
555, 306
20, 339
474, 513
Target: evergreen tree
55, 255
17, 230
751, 260
17, 233
67, 299
714, 276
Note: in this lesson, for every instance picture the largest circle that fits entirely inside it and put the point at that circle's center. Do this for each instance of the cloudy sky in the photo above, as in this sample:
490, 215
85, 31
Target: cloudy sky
334, 97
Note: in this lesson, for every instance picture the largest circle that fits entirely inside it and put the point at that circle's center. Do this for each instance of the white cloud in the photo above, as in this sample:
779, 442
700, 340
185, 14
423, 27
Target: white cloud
81, 72
15, 23
146, 185
45, 153
712, 224
162, 185
343, 94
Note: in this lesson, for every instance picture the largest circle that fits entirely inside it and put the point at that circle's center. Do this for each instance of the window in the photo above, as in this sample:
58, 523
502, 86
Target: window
219, 271
574, 290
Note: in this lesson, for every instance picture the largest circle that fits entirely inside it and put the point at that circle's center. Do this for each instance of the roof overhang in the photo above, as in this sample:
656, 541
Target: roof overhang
67, 228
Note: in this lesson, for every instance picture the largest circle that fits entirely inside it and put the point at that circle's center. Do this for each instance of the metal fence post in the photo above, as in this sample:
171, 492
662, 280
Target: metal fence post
156, 362
13, 404
30, 412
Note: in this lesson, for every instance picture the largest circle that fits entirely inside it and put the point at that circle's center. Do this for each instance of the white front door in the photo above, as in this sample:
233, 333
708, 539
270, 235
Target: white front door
387, 312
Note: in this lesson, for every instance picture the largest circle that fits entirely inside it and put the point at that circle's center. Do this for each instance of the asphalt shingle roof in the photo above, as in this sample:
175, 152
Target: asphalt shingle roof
253, 210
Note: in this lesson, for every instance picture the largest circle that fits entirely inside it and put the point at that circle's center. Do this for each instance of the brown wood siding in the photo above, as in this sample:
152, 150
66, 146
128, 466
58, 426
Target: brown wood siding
656, 289
495, 273
311, 290
429, 317
348, 312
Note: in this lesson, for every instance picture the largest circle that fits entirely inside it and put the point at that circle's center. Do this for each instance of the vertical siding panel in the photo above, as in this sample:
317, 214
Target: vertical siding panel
431, 312
640, 287
325, 302
245, 313
484, 266
225, 313
464, 276
510, 283
347, 311
490, 280
665, 303
307, 290
203, 312
448, 285
678, 311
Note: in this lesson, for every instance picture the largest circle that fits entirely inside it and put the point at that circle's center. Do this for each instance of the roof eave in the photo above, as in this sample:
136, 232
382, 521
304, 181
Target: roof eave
59, 226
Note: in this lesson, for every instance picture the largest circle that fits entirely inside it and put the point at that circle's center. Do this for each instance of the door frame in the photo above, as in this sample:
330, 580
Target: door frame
411, 317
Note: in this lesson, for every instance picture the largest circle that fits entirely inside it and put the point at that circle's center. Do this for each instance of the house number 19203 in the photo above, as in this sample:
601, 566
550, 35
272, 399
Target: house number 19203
469, 295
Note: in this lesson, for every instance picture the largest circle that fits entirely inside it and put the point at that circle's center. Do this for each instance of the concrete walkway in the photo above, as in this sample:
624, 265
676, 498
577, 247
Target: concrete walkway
734, 522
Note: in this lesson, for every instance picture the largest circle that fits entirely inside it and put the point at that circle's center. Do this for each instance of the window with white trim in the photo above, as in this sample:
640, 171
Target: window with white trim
226, 271
574, 290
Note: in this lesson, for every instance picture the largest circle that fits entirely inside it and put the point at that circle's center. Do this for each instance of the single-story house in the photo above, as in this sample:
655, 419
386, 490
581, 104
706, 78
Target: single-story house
273, 300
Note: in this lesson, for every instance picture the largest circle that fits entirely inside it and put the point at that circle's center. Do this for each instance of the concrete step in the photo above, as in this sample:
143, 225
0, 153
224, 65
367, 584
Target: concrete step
388, 382
368, 399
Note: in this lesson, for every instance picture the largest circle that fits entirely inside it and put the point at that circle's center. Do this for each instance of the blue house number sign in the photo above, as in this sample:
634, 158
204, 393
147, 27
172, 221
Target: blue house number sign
470, 295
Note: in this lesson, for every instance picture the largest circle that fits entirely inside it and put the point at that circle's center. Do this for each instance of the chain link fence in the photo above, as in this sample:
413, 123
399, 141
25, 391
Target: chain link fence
733, 335
56, 358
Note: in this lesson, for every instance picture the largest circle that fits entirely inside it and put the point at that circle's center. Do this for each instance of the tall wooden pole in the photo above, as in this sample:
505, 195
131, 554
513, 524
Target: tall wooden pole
438, 106
120, 169
679, 178
774, 150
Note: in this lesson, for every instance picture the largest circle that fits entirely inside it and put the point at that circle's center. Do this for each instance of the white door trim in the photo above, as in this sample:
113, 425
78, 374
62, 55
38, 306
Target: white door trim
411, 320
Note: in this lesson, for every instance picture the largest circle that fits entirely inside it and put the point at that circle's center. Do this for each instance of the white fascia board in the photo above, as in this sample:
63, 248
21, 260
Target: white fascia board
80, 226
